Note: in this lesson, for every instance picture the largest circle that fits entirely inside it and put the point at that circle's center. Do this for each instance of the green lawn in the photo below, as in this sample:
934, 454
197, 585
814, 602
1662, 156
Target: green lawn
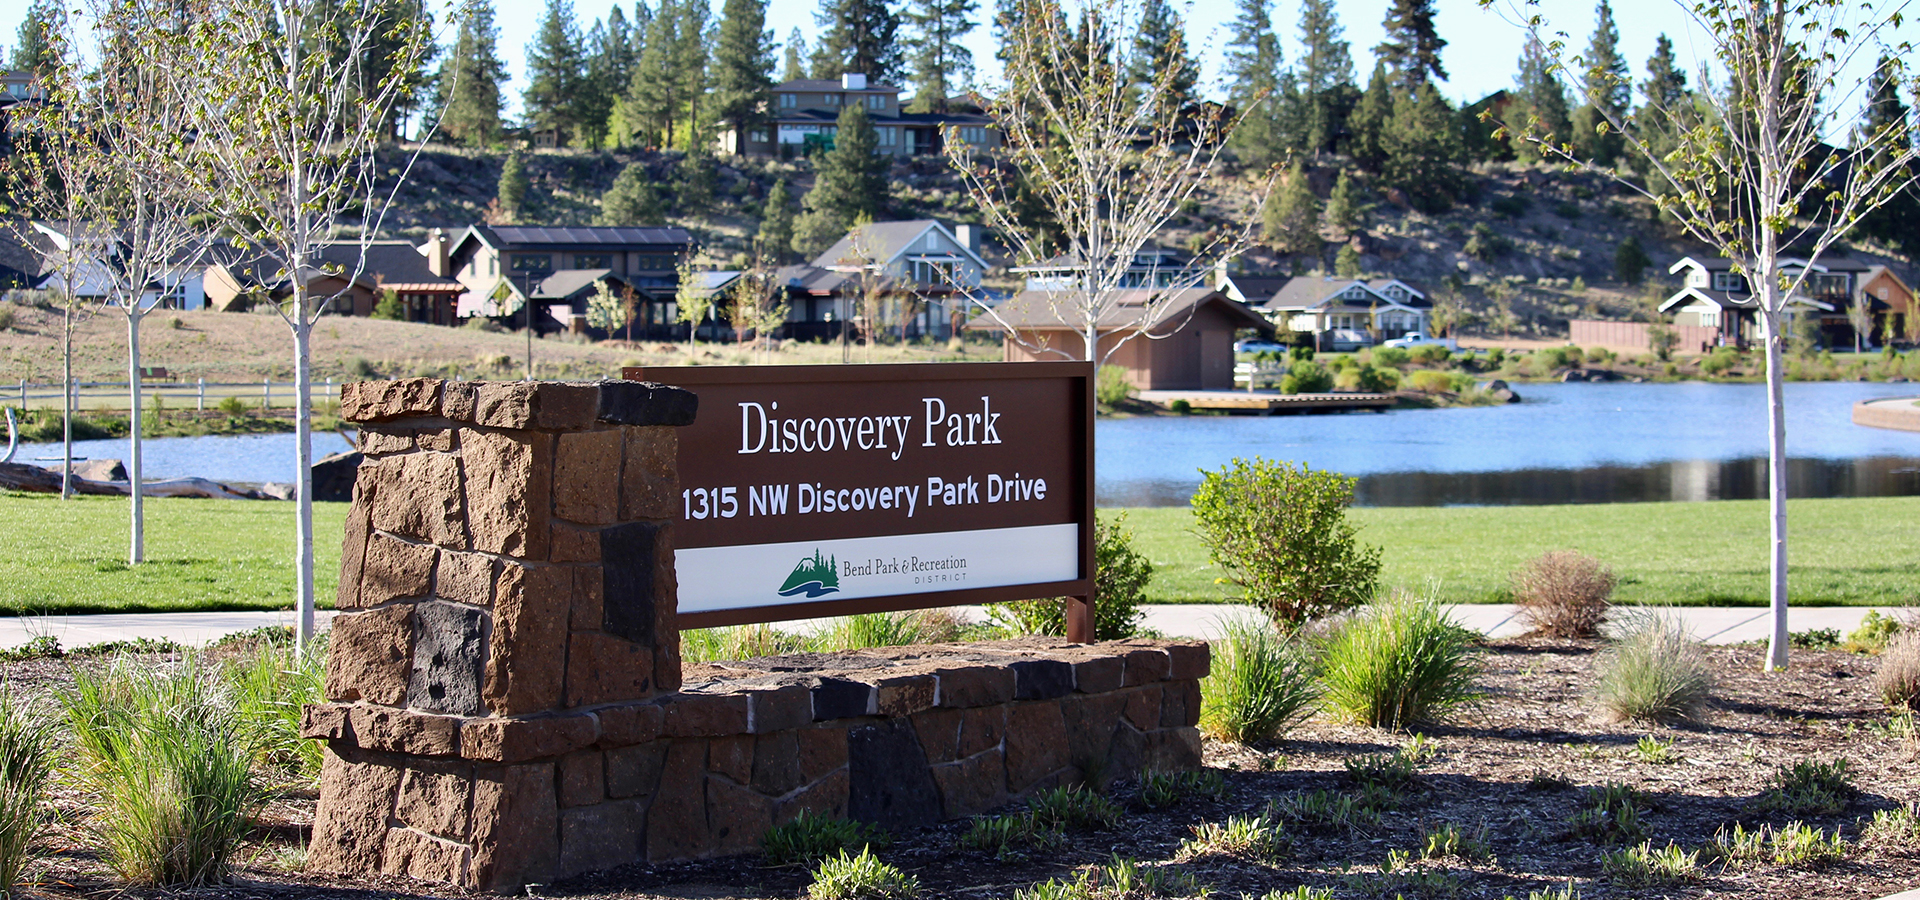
71, 556
223, 555
1847, 552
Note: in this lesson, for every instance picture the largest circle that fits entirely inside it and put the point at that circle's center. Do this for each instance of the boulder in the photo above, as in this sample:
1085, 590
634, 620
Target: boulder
333, 477
100, 470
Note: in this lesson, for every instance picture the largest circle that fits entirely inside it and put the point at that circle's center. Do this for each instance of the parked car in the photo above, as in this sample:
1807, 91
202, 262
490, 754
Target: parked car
1417, 339
1251, 345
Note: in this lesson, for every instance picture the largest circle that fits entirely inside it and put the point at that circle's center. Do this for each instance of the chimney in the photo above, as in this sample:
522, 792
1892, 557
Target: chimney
436, 252
969, 236
853, 81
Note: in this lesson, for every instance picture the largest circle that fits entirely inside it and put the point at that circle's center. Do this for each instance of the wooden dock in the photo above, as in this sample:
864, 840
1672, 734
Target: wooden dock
1269, 403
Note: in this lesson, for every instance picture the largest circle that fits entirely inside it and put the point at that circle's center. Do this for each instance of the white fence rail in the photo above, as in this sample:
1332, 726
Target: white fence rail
198, 394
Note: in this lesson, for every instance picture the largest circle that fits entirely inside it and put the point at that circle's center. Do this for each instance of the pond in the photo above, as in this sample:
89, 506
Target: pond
1568, 443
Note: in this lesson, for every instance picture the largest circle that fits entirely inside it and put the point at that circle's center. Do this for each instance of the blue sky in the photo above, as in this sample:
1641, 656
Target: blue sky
1480, 54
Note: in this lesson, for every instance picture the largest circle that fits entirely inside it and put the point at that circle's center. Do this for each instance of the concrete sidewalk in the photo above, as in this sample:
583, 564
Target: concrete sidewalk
1717, 625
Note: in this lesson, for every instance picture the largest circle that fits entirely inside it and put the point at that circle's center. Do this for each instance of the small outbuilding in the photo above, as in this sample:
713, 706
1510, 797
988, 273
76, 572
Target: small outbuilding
1165, 340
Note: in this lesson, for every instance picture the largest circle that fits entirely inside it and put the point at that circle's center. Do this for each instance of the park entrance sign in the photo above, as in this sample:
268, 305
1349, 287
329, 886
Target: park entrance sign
831, 490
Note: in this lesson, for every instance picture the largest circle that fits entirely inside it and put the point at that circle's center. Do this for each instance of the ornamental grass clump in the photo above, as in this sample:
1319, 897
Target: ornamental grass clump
269, 687
171, 762
1655, 672
1401, 661
1564, 593
27, 750
1282, 535
1260, 684
1897, 680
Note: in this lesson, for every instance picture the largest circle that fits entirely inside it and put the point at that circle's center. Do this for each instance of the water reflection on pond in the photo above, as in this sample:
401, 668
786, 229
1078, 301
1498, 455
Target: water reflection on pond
1569, 443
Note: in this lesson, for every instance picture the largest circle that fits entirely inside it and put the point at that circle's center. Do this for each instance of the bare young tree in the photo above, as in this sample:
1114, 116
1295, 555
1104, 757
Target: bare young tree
1748, 169
760, 305
1107, 160
692, 301
115, 134
1860, 317
289, 120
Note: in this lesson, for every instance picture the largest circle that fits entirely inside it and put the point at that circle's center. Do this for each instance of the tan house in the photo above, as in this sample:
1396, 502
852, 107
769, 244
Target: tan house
1188, 346
805, 115
235, 281
1348, 313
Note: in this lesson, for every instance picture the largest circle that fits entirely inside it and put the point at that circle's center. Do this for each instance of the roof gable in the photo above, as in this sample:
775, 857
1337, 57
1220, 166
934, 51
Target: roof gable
885, 242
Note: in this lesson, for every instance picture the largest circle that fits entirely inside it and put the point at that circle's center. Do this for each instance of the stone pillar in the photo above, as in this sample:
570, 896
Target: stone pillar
506, 598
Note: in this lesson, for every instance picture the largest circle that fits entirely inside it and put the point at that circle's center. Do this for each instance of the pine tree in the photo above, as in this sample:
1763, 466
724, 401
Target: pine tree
742, 67
512, 189
594, 98
857, 36
795, 55
1666, 97
387, 48
693, 180
1543, 98
1898, 222
1367, 127
691, 62
1292, 218
1252, 76
1884, 111
939, 62
34, 50
850, 184
1326, 75
1346, 212
1630, 261
610, 61
1161, 63
774, 244
556, 72
470, 79
1423, 151
662, 100
1608, 88
632, 200
1412, 48
1346, 263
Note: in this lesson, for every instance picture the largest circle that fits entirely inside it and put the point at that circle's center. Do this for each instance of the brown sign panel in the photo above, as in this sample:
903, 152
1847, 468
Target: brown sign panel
829, 490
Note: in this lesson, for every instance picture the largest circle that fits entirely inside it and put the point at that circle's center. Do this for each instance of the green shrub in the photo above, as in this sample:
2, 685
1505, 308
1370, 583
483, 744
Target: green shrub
1112, 388
700, 645
1006, 837
1260, 684
1611, 814
173, 767
1655, 672
1797, 845
1564, 593
810, 837
1180, 407
1814, 639
1306, 377
1897, 828
389, 307
1653, 750
232, 406
862, 877
1897, 680
1429, 381
1329, 811
1389, 773
1400, 662
1282, 535
1809, 787
27, 751
1121, 576
1720, 360
1432, 354
6, 317
1391, 356
1873, 634
1449, 841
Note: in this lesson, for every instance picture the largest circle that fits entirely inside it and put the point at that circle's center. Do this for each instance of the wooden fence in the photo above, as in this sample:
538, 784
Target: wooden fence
1632, 337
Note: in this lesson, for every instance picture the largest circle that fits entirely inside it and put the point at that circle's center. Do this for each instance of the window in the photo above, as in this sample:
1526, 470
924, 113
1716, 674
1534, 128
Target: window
973, 134
833, 99
758, 137
656, 263
889, 135
592, 261
1728, 281
1829, 285
532, 262
877, 101
789, 101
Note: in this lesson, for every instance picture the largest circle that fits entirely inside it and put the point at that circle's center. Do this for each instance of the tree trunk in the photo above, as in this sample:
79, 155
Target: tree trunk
1776, 490
136, 540
66, 402
303, 475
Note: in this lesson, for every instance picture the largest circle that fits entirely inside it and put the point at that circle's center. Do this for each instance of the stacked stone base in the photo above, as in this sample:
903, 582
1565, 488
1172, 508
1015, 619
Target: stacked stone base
896, 736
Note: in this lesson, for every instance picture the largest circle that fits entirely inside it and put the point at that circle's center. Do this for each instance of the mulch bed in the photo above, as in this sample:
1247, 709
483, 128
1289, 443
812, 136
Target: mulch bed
1516, 763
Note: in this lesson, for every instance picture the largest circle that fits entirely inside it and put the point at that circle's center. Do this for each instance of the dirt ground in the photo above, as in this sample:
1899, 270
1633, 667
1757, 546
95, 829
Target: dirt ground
1512, 769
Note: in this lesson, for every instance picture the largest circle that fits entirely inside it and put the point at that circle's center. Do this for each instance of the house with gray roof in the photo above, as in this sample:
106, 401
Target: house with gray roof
1347, 313
805, 115
501, 266
930, 274
1713, 295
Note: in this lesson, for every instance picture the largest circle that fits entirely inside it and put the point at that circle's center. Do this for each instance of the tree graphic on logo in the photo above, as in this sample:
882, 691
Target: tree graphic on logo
813, 576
